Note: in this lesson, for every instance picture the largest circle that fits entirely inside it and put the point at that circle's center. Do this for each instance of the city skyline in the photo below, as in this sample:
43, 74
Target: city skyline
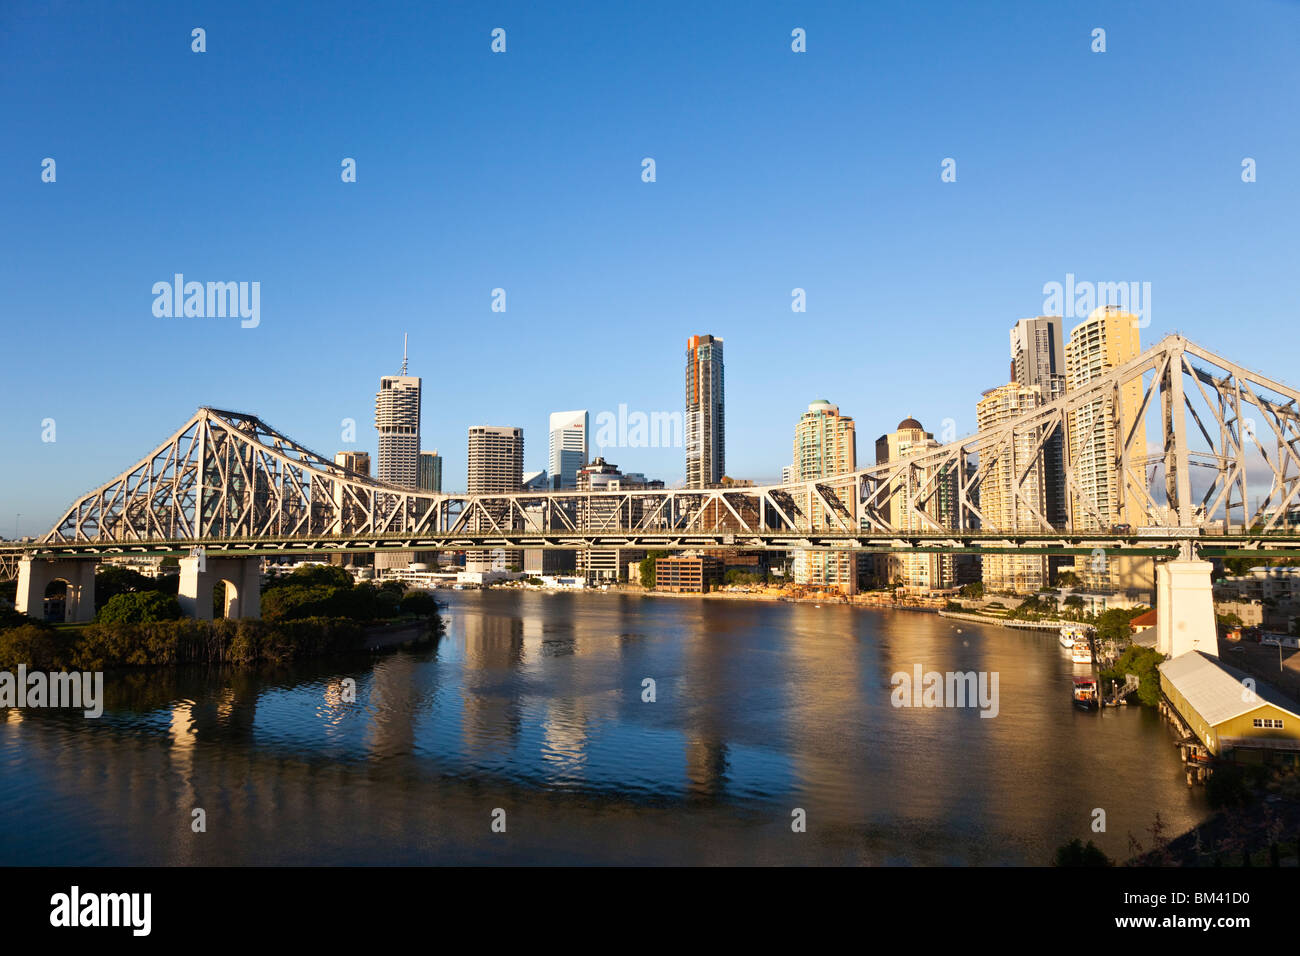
787, 191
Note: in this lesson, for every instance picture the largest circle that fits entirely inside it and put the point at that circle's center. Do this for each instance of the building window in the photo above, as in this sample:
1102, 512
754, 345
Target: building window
1269, 723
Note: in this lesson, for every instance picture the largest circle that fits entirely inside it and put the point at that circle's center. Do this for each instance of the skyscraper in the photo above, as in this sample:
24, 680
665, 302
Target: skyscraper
825, 444
496, 466
397, 417
568, 434
430, 475
1038, 359
929, 490
1012, 488
1104, 495
705, 420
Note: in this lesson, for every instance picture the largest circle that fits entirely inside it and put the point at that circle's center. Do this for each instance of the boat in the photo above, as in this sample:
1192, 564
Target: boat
1081, 653
1084, 693
1071, 634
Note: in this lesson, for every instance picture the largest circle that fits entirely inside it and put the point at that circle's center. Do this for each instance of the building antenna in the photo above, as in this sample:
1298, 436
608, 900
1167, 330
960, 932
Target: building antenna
403, 353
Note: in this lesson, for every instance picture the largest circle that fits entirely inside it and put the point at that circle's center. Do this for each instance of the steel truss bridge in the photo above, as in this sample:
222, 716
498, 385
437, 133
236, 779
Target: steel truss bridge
1201, 453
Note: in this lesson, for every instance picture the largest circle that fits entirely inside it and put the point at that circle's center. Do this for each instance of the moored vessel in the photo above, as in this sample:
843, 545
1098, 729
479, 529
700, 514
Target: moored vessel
1084, 693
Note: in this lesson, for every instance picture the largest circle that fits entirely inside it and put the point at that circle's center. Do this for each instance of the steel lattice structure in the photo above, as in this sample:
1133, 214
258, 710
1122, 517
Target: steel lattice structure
1192, 434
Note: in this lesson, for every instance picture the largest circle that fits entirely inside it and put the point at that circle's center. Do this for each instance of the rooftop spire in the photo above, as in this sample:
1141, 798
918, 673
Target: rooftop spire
403, 353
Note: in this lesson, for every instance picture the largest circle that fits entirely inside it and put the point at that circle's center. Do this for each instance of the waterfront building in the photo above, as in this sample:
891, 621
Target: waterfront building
825, 444
1107, 339
913, 569
689, 573
495, 466
568, 447
705, 412
1207, 694
1012, 488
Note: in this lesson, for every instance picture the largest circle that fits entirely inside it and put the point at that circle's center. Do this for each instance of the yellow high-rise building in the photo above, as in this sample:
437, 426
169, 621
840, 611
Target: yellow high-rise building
1102, 498
1007, 502
825, 444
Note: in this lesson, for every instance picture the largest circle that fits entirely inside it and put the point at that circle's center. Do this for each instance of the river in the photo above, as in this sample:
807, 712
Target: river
529, 716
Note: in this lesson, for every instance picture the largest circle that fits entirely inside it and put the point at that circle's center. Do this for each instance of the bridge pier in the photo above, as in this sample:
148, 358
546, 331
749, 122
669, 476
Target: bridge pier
1185, 608
243, 577
36, 574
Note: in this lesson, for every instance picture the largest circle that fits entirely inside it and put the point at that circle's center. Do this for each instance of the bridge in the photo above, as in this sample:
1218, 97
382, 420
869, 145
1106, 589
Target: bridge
1186, 435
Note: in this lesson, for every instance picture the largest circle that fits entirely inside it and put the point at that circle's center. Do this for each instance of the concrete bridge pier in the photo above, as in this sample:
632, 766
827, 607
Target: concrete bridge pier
1185, 608
199, 576
36, 574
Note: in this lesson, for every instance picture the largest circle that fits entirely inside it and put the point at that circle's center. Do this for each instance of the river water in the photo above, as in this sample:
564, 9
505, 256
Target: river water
529, 713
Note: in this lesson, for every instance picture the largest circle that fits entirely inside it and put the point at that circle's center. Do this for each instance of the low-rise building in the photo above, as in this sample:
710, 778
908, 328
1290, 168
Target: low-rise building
1227, 710
689, 573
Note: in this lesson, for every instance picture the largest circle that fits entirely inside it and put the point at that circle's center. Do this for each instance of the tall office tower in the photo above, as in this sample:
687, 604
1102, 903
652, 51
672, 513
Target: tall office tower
397, 417
568, 447
1105, 497
1006, 501
825, 444
430, 474
931, 489
1038, 358
496, 466
358, 461
705, 420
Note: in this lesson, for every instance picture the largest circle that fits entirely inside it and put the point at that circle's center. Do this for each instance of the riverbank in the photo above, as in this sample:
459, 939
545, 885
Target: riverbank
236, 643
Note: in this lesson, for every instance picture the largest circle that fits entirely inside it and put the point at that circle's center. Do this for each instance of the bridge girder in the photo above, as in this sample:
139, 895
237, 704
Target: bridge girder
228, 476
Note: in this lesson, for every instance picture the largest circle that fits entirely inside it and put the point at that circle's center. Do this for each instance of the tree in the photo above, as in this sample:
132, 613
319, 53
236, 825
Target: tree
648, 568
139, 607
1067, 579
973, 590
420, 603
1075, 853
114, 579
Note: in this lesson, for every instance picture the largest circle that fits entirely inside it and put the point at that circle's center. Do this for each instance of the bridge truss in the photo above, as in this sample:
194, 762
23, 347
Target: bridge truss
1176, 441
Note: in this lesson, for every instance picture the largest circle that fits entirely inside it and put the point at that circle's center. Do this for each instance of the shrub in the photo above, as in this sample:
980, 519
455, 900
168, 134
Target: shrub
139, 607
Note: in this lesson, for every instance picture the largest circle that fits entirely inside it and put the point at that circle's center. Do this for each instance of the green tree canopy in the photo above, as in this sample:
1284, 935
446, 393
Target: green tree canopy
139, 607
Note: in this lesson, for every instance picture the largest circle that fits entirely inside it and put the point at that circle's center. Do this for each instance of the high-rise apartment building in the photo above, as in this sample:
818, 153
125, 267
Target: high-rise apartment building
705, 418
825, 444
1038, 359
568, 452
1108, 338
495, 466
933, 491
1012, 488
430, 473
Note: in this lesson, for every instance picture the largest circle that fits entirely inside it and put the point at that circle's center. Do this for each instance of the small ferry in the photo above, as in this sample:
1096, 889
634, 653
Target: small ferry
1071, 634
1081, 653
1085, 693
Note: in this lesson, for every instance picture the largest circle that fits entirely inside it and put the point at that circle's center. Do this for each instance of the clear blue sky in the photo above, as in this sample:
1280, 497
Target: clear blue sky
522, 170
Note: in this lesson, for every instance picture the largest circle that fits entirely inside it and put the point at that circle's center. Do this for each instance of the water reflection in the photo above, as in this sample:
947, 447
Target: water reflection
533, 703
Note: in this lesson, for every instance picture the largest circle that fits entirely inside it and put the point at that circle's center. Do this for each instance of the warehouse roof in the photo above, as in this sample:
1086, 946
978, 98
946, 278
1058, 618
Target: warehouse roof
1216, 691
